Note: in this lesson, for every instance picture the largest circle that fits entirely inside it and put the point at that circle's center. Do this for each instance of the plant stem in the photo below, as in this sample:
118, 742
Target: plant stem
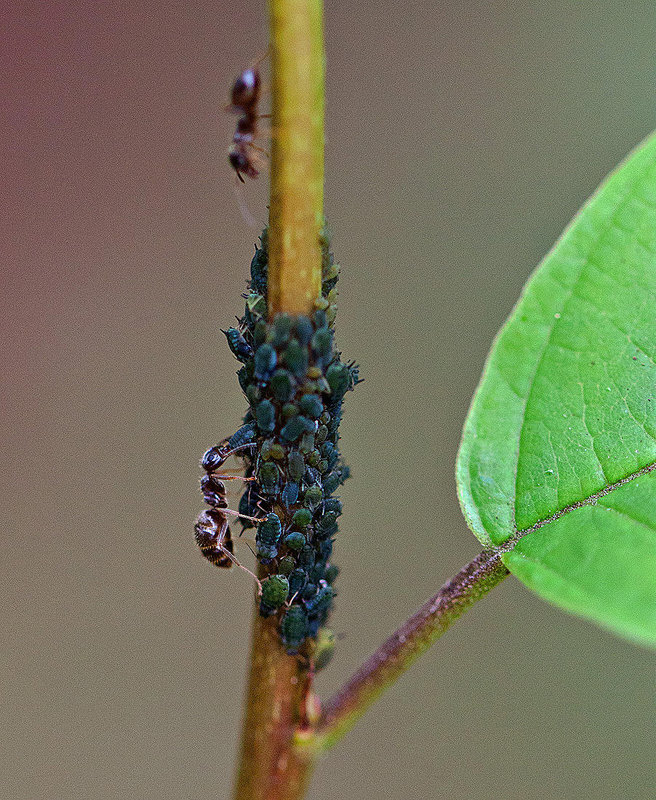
278, 689
283, 734
279, 700
404, 646
297, 156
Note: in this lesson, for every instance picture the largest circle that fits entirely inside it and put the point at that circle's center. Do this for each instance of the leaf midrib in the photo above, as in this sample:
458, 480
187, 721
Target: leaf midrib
590, 500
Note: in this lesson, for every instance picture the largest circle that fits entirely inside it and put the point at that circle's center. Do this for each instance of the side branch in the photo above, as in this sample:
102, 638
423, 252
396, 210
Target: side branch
404, 646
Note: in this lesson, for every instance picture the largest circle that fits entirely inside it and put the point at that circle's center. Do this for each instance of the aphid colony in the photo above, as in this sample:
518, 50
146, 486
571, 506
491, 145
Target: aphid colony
295, 383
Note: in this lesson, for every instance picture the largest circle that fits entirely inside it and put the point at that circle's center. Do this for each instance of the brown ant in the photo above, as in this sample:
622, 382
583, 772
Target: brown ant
212, 526
213, 532
213, 537
244, 99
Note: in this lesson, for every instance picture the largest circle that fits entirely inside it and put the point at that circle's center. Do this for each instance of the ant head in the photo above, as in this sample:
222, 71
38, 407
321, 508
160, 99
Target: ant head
246, 88
212, 459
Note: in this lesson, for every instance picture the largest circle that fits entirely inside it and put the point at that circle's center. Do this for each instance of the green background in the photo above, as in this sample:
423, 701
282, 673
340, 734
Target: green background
461, 139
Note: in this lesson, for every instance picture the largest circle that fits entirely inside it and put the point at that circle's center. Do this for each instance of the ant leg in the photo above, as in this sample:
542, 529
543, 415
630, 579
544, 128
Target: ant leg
263, 131
260, 506
261, 150
243, 516
232, 477
229, 555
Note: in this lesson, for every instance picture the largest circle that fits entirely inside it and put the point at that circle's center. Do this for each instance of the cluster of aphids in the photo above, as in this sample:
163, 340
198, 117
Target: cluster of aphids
295, 382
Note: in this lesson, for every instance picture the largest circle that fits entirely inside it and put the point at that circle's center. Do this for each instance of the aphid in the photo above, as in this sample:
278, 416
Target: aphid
354, 374
241, 437
302, 518
331, 482
296, 427
281, 328
213, 537
268, 536
294, 628
269, 478
297, 580
282, 385
289, 494
244, 99
286, 565
311, 405
295, 465
265, 414
275, 591
295, 540
265, 362
340, 379
327, 525
239, 347
331, 573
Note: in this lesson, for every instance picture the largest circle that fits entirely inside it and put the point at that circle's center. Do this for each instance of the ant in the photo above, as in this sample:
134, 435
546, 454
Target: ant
212, 526
244, 99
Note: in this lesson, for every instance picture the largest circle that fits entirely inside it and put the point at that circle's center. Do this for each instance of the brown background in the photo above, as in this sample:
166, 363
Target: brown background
461, 139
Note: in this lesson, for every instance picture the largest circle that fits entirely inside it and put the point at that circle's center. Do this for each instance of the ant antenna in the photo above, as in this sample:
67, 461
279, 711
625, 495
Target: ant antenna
246, 213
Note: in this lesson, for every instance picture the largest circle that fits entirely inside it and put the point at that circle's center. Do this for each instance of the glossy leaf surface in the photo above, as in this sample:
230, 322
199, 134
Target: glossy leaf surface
555, 465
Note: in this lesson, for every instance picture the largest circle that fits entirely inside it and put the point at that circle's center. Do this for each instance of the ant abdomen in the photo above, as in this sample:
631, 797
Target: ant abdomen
218, 557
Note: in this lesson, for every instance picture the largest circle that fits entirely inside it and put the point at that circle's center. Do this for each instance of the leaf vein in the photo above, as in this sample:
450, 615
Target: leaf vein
590, 500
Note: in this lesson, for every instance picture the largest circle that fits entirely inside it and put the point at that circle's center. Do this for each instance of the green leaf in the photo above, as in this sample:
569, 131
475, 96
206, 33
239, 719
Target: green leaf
555, 464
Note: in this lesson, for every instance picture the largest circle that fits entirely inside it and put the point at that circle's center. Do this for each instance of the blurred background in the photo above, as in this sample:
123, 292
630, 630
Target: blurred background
461, 138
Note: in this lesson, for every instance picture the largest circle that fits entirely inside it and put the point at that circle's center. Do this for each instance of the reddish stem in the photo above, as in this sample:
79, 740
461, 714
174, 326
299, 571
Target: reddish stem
406, 645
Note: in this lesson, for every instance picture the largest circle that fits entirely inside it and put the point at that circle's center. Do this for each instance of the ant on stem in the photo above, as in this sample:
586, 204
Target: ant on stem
244, 99
212, 526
